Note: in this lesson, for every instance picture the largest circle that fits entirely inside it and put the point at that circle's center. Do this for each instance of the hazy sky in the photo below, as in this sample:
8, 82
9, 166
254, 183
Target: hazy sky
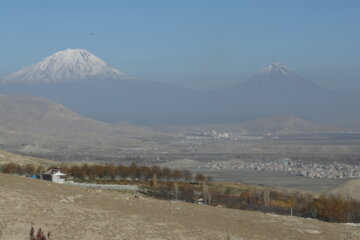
197, 44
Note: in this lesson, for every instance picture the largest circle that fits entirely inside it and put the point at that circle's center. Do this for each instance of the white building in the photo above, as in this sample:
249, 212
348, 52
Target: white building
54, 175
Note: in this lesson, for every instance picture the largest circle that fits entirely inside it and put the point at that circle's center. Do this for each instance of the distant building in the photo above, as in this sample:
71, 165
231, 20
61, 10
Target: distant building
54, 175
200, 201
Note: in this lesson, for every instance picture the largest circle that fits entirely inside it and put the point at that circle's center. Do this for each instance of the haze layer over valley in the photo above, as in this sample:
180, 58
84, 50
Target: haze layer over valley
88, 85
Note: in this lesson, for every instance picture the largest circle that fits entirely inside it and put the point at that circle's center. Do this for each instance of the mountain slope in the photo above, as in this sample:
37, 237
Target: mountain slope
89, 86
274, 124
32, 124
284, 124
86, 84
7, 157
278, 90
349, 189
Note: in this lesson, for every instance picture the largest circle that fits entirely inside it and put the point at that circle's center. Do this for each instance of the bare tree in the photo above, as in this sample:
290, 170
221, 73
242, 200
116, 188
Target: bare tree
167, 173
154, 183
205, 192
187, 175
157, 170
175, 191
176, 175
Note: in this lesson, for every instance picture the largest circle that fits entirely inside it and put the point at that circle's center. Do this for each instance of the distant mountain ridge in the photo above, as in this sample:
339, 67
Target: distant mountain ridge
277, 90
86, 84
273, 125
284, 124
33, 124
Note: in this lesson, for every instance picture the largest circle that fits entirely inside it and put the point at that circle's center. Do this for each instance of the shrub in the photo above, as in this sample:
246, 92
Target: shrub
40, 235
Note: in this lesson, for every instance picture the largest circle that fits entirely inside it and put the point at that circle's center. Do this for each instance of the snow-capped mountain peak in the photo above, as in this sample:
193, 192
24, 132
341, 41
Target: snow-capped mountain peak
278, 75
66, 66
277, 68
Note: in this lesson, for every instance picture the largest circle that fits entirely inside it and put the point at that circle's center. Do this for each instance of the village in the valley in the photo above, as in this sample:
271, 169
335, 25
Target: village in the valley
311, 170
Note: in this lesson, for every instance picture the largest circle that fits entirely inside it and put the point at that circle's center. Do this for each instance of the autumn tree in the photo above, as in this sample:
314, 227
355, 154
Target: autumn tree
100, 171
39, 171
146, 173
85, 169
187, 192
123, 171
29, 169
76, 172
167, 173
110, 171
134, 171
9, 168
177, 175
157, 171
187, 175
199, 178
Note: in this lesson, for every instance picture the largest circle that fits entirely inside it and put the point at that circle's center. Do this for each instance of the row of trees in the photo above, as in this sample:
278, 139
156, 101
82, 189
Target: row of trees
131, 172
179, 184
328, 208
110, 172
28, 169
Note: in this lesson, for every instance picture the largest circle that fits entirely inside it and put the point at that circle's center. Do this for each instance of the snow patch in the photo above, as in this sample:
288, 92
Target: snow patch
65, 66
277, 68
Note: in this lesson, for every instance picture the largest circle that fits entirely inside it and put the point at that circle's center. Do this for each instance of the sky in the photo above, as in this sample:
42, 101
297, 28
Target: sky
201, 44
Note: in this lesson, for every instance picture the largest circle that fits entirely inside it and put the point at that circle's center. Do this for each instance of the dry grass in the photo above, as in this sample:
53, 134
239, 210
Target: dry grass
7, 157
75, 213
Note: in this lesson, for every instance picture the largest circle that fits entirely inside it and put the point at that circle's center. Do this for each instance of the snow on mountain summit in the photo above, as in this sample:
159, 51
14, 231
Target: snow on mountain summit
277, 68
277, 72
65, 66
278, 76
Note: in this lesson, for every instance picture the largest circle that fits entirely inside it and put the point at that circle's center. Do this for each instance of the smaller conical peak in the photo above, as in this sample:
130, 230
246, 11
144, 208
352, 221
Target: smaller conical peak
276, 68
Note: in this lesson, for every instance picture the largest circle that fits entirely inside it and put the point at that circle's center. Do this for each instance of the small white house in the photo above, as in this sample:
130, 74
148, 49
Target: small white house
54, 175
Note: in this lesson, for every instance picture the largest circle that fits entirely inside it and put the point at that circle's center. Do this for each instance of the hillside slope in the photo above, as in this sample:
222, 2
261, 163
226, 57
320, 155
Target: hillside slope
37, 125
275, 124
349, 189
74, 213
6, 157
284, 124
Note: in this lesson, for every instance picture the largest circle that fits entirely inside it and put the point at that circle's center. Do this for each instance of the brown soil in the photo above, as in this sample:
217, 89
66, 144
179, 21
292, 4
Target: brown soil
74, 213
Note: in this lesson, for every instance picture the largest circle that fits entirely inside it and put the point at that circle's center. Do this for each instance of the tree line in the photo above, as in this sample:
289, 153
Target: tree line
329, 208
109, 172
184, 185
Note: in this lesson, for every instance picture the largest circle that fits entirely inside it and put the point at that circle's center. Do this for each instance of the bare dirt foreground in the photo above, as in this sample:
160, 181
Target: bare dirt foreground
74, 213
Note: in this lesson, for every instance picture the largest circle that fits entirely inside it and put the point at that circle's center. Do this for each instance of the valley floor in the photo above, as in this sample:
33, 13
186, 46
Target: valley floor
75, 213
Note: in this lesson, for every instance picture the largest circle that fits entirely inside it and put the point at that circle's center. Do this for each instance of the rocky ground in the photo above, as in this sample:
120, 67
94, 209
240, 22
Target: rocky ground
74, 213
